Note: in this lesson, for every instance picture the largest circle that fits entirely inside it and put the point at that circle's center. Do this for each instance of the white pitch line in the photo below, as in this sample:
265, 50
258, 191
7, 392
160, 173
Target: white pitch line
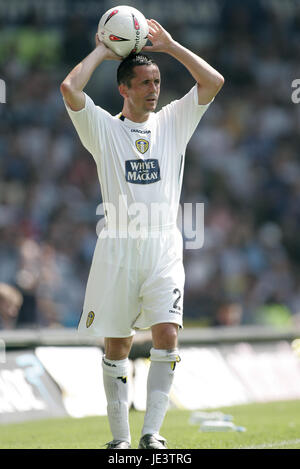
279, 444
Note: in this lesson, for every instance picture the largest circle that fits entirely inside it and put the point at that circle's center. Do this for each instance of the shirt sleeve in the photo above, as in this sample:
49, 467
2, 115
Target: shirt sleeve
90, 123
184, 115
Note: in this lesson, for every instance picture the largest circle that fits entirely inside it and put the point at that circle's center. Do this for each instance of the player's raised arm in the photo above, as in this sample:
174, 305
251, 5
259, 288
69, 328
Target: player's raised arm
208, 79
73, 85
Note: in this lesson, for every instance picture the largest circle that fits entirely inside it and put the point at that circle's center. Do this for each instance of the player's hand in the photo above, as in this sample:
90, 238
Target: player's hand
108, 53
160, 38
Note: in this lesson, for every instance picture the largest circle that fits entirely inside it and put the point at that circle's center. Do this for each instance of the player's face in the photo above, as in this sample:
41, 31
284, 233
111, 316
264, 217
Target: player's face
145, 88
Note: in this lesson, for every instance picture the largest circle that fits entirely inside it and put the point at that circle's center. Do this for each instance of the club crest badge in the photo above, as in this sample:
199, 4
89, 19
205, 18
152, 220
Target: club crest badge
142, 145
90, 318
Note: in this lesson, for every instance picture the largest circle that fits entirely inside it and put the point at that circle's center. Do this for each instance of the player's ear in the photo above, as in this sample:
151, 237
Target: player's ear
123, 90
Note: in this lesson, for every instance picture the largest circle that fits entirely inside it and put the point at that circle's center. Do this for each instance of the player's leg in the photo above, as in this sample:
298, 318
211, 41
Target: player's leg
115, 379
110, 307
163, 356
117, 348
161, 309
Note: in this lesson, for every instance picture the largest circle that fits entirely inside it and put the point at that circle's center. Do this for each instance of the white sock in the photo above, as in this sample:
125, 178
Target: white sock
115, 380
160, 379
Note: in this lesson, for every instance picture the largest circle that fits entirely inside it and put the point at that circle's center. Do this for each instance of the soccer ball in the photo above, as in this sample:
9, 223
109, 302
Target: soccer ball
124, 30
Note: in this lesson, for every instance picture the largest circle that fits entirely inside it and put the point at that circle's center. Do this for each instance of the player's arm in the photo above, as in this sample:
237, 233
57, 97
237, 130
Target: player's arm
73, 85
208, 79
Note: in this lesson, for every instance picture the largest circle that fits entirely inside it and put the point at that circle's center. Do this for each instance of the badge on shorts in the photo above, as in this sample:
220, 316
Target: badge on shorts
90, 318
142, 145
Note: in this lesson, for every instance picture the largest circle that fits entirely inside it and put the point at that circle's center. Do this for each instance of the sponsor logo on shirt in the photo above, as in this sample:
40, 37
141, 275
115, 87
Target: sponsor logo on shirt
142, 171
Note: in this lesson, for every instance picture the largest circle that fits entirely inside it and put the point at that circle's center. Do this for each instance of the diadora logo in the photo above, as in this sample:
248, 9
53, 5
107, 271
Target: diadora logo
140, 131
123, 379
142, 145
142, 171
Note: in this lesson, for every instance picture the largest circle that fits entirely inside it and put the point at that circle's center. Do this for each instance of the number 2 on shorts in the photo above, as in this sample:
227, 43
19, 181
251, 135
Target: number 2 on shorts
176, 291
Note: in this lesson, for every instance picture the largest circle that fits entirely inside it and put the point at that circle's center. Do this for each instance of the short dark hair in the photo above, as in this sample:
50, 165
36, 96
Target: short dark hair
125, 70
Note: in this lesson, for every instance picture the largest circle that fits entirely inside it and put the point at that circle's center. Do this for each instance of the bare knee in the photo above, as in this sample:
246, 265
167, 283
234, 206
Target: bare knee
117, 348
164, 336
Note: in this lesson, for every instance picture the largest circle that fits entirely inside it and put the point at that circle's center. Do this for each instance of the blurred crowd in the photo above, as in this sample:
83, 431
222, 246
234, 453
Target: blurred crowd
242, 163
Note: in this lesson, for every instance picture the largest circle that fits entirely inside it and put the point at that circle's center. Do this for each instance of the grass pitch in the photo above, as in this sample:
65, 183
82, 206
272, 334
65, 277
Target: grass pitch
268, 426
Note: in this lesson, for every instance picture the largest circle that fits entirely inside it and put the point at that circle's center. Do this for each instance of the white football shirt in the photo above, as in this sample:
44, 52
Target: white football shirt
140, 165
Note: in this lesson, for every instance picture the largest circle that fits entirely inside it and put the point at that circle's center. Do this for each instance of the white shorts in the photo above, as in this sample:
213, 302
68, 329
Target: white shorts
134, 284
